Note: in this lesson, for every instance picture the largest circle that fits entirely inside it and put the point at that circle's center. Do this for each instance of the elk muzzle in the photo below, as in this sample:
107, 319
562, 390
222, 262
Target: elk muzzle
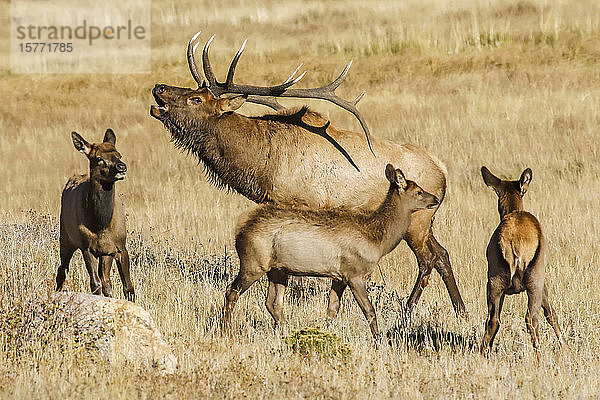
157, 110
434, 203
121, 170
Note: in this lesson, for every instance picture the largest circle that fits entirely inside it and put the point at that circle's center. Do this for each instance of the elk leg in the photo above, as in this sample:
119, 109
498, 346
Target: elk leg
495, 300
425, 264
105, 263
239, 285
444, 268
92, 269
122, 259
551, 316
359, 290
430, 253
534, 305
277, 284
335, 295
66, 253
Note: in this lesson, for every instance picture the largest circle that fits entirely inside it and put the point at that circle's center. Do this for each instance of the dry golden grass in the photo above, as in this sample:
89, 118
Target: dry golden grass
506, 84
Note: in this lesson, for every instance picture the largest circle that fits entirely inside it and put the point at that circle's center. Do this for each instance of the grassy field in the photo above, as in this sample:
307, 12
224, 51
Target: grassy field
508, 84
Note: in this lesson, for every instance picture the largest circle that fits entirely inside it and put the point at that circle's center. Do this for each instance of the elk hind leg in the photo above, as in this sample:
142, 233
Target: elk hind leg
359, 290
495, 301
335, 295
534, 304
245, 278
551, 317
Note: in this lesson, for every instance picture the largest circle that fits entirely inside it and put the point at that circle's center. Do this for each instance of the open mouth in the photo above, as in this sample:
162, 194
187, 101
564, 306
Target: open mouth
120, 175
156, 110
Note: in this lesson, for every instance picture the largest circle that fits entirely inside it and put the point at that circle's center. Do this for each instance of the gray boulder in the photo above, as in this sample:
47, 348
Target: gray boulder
120, 330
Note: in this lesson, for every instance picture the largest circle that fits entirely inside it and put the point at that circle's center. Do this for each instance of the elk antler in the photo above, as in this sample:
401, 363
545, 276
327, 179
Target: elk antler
267, 95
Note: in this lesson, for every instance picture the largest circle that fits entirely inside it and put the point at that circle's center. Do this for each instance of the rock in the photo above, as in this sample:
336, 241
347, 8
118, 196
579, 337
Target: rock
118, 329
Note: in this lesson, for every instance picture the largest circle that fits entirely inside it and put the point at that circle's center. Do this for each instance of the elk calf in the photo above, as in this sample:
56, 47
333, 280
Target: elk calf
92, 220
516, 257
341, 245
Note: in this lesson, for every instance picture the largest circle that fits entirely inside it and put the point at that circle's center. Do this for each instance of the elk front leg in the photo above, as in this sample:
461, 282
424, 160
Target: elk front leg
430, 254
359, 290
277, 284
91, 265
335, 295
105, 264
122, 259
66, 253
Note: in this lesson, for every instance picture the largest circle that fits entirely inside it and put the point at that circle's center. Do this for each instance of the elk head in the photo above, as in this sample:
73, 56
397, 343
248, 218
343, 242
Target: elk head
510, 193
416, 198
106, 166
183, 108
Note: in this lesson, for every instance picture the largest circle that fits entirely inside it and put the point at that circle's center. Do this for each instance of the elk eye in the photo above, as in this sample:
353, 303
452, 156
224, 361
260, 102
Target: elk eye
100, 161
195, 100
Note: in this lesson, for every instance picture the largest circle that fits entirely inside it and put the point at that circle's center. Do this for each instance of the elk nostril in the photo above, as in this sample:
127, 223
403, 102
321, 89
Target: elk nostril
159, 89
121, 167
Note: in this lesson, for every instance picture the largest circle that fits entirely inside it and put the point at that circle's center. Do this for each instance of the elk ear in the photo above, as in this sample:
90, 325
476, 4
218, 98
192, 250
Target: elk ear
390, 173
401, 180
525, 180
233, 103
109, 137
80, 143
490, 179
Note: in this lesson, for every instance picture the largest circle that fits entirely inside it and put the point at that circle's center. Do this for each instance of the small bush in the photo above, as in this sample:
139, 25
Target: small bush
313, 340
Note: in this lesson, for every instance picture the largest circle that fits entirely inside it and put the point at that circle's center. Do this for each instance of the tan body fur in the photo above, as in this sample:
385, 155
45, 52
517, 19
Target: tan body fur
92, 220
286, 159
516, 256
342, 245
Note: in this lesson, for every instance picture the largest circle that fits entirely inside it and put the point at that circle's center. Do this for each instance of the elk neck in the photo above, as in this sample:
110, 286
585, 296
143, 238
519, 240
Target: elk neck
509, 203
388, 223
235, 152
100, 204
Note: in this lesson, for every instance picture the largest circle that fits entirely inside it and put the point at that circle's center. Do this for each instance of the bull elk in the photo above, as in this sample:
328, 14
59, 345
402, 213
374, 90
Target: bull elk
342, 245
516, 256
92, 220
296, 158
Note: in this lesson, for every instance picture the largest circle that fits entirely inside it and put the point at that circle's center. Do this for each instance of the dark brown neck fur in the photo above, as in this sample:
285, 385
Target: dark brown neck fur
236, 149
234, 153
100, 204
509, 203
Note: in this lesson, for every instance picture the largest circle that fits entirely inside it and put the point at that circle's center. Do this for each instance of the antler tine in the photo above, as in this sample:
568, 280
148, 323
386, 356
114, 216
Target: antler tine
327, 92
363, 124
336, 83
208, 72
234, 62
294, 73
358, 98
191, 51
